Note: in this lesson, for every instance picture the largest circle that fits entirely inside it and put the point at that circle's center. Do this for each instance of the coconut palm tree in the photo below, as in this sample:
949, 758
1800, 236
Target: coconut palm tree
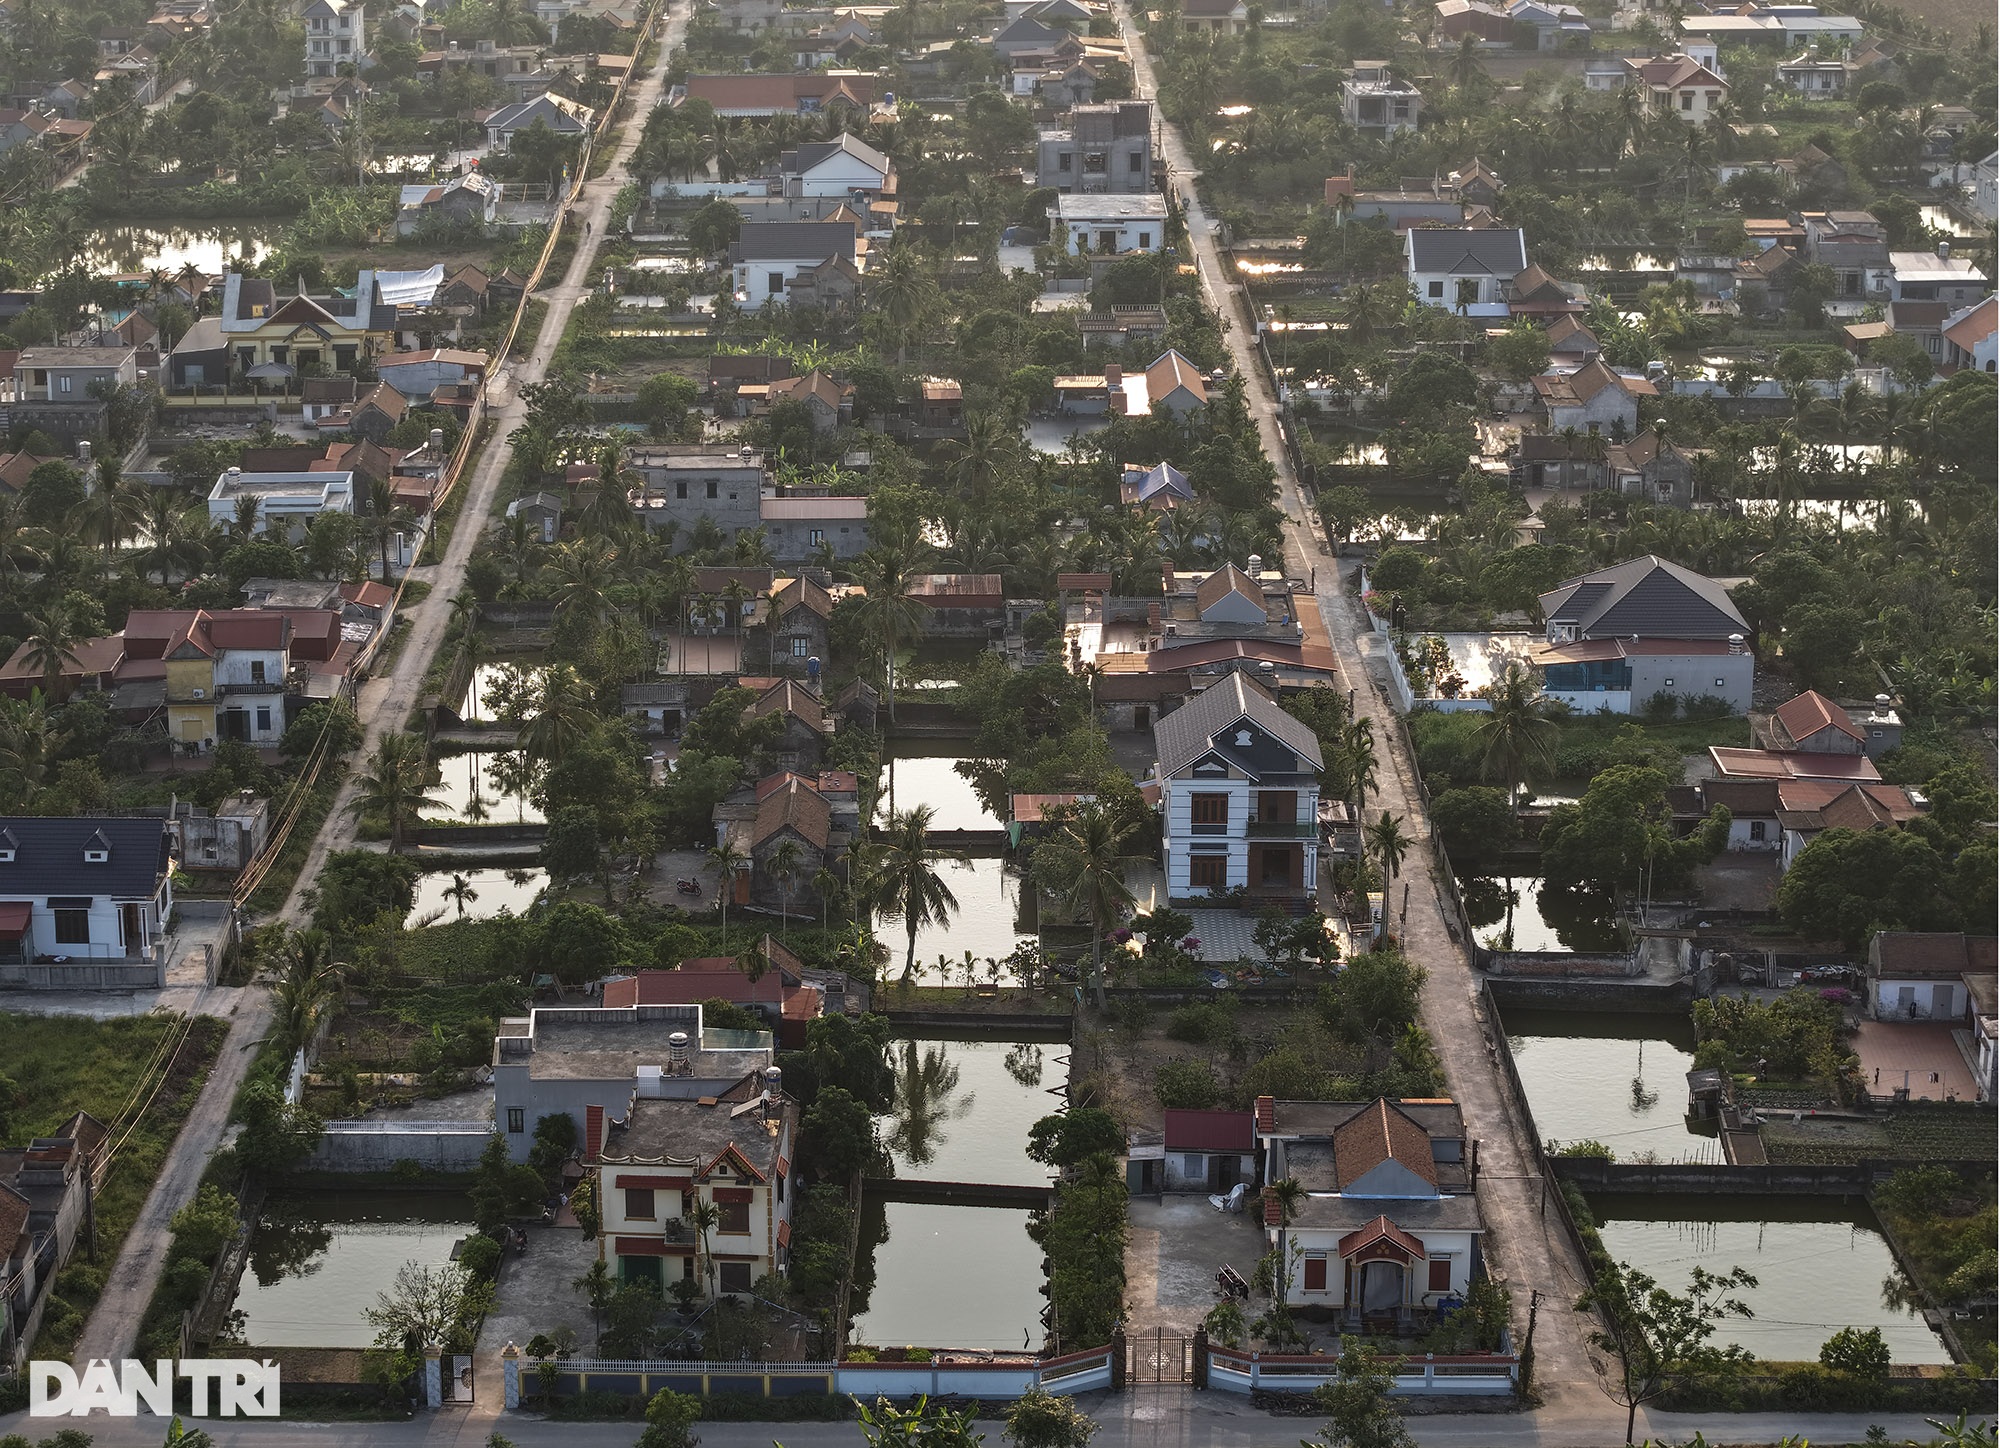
782, 865
27, 745
826, 885
111, 512
309, 980
902, 292
1390, 844
704, 1218
885, 572
1358, 762
727, 860
1517, 739
565, 719
900, 878
52, 644
397, 784
1091, 853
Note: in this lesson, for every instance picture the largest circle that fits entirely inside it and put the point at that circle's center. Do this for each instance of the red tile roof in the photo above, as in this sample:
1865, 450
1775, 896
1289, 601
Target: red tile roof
1211, 1131
1377, 1134
1811, 712
1379, 1231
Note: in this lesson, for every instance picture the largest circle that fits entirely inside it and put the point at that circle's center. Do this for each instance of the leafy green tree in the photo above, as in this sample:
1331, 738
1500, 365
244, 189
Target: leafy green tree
576, 942
1822, 643
572, 848
204, 1225
275, 1138
396, 785
52, 493
1520, 352
839, 1135
1374, 997
1858, 1353
1475, 822
1654, 1335
503, 1190
1517, 738
847, 1053
1848, 884
1618, 837
358, 887
670, 1420
1185, 1085
1065, 1139
923, 1424
1360, 1412
713, 228
1085, 861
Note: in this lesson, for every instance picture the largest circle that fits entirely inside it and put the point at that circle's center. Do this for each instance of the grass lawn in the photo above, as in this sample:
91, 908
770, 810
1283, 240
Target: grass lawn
63, 1064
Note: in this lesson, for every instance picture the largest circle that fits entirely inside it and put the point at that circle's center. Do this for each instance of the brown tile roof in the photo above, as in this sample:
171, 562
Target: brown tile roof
1912, 952
1377, 1134
804, 593
789, 697
1380, 1230
1811, 712
797, 807
1224, 581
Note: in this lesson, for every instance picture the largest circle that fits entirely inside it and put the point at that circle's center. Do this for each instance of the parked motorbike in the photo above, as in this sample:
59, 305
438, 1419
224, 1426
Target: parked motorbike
687, 886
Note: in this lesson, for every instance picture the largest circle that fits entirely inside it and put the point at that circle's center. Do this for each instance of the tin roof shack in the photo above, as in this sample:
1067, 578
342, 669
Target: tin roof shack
46, 1206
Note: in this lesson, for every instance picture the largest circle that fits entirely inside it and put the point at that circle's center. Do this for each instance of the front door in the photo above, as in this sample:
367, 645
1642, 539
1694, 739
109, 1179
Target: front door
235, 724
1222, 1172
1142, 717
640, 1269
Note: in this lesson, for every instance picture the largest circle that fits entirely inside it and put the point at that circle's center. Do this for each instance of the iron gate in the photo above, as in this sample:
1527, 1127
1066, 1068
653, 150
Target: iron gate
1164, 1357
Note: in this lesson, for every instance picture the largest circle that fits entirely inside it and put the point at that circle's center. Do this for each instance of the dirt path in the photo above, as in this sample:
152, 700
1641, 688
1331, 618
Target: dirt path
1523, 1247
385, 706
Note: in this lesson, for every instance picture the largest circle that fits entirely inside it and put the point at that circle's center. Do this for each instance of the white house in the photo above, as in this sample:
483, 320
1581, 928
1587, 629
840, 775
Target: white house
768, 257
1389, 1225
1677, 85
286, 502
1464, 269
83, 889
336, 35
731, 1151
839, 167
1239, 790
1377, 102
1969, 337
1919, 975
591, 1064
1110, 225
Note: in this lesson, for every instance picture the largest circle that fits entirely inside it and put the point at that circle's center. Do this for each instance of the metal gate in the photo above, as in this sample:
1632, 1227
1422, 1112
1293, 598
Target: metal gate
457, 1378
1161, 1357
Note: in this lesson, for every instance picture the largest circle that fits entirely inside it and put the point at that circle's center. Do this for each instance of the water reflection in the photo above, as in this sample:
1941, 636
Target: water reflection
1533, 917
475, 894
1819, 1268
1613, 1079
485, 789
212, 250
951, 1276
316, 1266
910, 780
928, 1099
987, 926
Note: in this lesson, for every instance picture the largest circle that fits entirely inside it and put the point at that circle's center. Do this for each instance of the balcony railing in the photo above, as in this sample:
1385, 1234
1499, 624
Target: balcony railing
1280, 830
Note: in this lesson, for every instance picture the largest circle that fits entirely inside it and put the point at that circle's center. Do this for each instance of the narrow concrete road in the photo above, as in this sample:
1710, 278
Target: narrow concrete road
385, 707
1524, 1248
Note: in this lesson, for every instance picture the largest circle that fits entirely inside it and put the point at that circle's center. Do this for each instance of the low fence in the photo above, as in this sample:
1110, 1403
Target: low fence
1080, 1372
1594, 1174
1572, 993
1432, 1374
358, 1146
87, 975
1555, 964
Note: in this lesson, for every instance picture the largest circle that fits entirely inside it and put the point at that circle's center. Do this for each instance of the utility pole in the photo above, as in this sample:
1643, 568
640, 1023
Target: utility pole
1525, 1383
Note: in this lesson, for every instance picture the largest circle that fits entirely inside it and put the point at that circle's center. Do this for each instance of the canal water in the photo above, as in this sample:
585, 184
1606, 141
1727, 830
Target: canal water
213, 248
316, 1264
1617, 1079
954, 1276
1820, 1266
963, 1109
988, 923
1541, 920
495, 889
465, 778
911, 777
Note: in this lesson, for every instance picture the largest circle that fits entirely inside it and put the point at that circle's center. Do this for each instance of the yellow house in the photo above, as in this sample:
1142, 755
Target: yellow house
302, 335
190, 693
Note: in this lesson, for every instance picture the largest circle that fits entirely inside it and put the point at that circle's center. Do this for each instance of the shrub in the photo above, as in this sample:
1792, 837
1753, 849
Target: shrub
481, 1257
1857, 1353
1584, 1148
1186, 1086
1204, 1023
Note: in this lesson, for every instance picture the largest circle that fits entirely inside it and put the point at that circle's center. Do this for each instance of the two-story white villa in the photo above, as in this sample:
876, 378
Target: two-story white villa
1464, 269
336, 35
1677, 85
731, 1151
1389, 1224
1239, 789
1646, 626
83, 889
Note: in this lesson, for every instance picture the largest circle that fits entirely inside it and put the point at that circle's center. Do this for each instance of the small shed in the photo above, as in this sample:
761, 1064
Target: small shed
1210, 1151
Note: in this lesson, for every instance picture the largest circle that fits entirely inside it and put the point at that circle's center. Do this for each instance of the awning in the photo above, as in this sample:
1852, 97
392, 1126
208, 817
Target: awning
14, 918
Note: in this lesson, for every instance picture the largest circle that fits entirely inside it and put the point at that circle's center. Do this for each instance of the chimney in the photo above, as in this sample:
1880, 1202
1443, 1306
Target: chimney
1944, 250
1114, 375
593, 1132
